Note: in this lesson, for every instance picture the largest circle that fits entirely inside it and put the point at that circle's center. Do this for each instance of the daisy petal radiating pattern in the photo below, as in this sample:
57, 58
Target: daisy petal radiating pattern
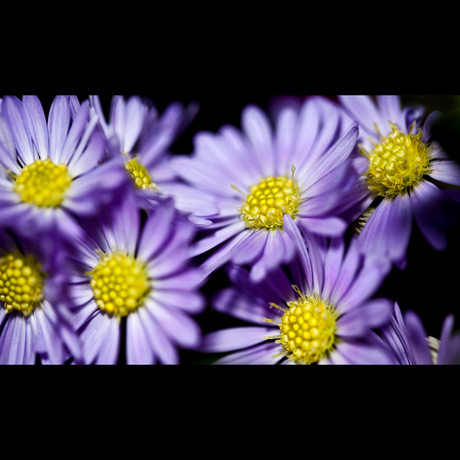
51, 168
399, 169
36, 317
136, 132
135, 276
318, 310
405, 336
300, 167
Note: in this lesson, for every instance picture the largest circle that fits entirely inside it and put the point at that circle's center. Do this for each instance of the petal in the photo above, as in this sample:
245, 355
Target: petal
417, 338
234, 338
447, 171
260, 354
138, 349
58, 126
36, 121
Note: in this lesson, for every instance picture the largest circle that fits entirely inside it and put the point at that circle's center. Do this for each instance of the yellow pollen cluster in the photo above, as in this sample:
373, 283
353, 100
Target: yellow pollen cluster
42, 183
139, 175
307, 328
120, 283
397, 163
21, 283
269, 200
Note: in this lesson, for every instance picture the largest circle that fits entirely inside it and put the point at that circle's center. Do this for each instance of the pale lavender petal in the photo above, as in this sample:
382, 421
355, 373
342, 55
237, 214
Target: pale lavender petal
245, 307
447, 171
249, 248
75, 132
138, 350
234, 338
189, 301
158, 224
257, 127
108, 351
189, 279
96, 103
181, 329
117, 117
36, 121
390, 107
6, 160
58, 126
54, 346
160, 343
217, 238
332, 264
358, 353
260, 354
134, 118
398, 226
6, 139
327, 226
13, 111
285, 136
12, 340
93, 335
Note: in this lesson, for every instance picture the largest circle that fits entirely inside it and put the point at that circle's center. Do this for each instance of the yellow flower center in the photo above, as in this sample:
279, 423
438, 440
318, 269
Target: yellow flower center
397, 163
269, 200
21, 282
307, 329
139, 174
120, 283
42, 183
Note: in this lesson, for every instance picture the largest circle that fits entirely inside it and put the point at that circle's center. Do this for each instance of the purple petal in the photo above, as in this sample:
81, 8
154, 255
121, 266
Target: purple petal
250, 248
234, 338
390, 107
447, 171
327, 226
138, 349
13, 111
260, 354
108, 351
58, 126
431, 120
134, 118
36, 121
117, 117
417, 338
363, 353
257, 127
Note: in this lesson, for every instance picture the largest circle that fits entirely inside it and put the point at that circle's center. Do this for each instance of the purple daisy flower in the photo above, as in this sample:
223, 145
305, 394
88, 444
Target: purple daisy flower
400, 170
137, 133
136, 277
35, 318
407, 339
50, 170
260, 177
322, 312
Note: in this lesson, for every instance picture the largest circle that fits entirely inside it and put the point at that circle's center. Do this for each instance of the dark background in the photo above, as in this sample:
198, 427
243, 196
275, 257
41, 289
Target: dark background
429, 283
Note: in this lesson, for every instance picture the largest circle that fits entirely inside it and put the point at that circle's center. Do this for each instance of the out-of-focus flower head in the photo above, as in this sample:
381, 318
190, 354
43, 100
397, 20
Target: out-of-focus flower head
50, 169
143, 138
408, 341
35, 317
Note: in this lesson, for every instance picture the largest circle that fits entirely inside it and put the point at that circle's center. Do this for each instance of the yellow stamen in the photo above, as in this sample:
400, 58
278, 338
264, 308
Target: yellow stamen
42, 183
120, 283
398, 163
268, 201
21, 282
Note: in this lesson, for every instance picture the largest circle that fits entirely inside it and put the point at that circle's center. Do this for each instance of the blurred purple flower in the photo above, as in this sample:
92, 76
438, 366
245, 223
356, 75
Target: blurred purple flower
50, 170
137, 133
407, 339
36, 317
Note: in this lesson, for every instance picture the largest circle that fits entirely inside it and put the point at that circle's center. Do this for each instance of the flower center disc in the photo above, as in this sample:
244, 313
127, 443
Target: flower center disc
120, 283
139, 174
308, 329
43, 183
21, 282
269, 200
397, 163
